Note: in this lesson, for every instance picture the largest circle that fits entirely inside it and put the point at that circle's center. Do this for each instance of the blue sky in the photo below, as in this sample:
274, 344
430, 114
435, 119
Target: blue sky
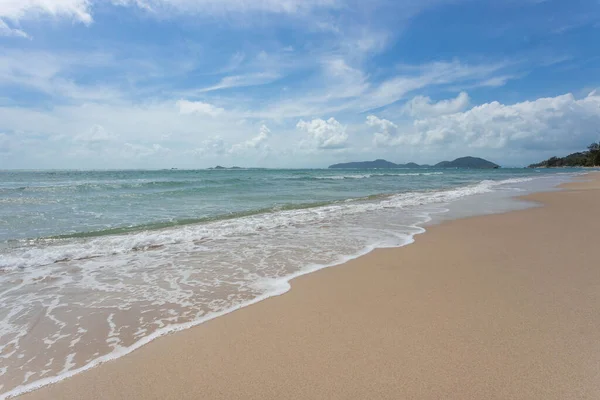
295, 83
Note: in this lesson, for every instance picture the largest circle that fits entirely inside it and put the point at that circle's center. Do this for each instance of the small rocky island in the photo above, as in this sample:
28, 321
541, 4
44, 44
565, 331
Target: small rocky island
221, 167
462, 162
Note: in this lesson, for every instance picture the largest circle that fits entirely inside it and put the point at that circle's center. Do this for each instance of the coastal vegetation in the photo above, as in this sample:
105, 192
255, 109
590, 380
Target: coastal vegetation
589, 158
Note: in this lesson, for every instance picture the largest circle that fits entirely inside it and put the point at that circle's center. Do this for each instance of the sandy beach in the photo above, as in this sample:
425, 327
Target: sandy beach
494, 307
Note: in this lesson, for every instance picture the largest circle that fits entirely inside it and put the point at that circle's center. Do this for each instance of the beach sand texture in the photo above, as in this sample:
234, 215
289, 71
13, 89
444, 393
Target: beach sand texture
496, 307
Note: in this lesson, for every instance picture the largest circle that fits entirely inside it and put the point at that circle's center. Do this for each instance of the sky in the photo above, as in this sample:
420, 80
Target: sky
110, 84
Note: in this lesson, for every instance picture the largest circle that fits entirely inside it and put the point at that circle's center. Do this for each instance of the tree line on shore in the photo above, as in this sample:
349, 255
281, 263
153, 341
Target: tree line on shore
589, 158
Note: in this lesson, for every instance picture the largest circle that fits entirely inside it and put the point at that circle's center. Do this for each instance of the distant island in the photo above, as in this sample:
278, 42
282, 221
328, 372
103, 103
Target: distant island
462, 162
221, 167
588, 158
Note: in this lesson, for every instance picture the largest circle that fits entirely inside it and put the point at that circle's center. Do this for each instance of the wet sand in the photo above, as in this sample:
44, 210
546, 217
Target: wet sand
496, 307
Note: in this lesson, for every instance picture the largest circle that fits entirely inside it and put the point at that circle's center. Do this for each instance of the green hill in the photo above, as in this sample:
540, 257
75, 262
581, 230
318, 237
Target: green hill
467, 162
588, 158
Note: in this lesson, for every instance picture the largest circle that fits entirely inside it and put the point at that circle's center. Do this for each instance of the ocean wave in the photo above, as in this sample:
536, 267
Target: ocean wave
364, 176
109, 242
116, 185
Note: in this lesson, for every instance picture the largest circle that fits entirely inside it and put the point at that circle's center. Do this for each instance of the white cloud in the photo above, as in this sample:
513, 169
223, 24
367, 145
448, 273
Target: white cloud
343, 81
48, 73
323, 134
253, 143
212, 146
234, 63
422, 106
560, 124
134, 150
96, 134
95, 142
340, 86
81, 10
198, 107
496, 81
346, 88
217, 147
107, 127
343, 87
387, 131
6, 30
255, 79
16, 10
230, 6
415, 77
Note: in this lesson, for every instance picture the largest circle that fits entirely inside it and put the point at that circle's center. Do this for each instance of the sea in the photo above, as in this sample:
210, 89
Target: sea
95, 264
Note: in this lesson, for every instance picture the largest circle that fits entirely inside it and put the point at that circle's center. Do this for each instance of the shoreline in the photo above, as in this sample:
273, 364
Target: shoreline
299, 279
278, 287
282, 286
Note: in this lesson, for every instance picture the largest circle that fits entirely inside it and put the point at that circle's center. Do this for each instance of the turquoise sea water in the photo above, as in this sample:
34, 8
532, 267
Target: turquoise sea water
94, 264
95, 203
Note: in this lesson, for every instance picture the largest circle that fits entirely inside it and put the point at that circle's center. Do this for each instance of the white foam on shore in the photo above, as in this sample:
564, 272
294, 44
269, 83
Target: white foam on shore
270, 287
279, 287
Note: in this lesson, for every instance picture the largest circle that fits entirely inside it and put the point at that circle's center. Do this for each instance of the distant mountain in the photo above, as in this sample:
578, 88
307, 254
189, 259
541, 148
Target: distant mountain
467, 162
413, 165
367, 164
463, 162
221, 167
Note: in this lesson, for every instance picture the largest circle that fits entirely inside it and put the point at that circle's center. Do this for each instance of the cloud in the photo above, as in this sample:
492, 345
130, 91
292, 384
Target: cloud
81, 10
198, 107
134, 150
343, 80
16, 10
422, 106
413, 77
234, 62
217, 146
230, 6
96, 134
560, 124
495, 81
254, 143
387, 131
6, 30
333, 83
342, 87
214, 146
323, 134
94, 142
49, 73
255, 79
